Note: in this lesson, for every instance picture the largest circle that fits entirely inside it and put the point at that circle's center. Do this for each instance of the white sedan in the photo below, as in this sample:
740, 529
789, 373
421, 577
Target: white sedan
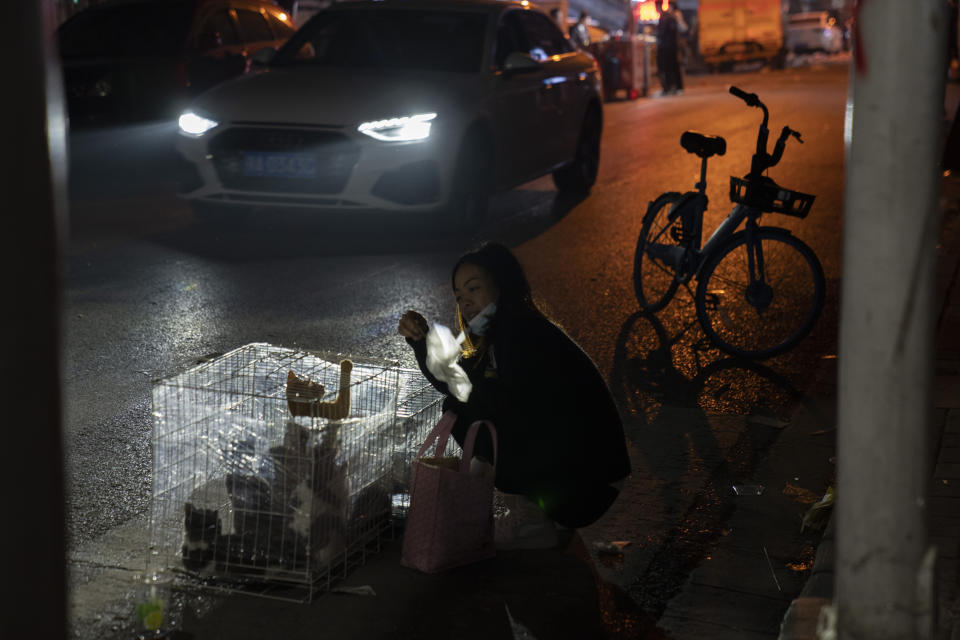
813, 31
398, 106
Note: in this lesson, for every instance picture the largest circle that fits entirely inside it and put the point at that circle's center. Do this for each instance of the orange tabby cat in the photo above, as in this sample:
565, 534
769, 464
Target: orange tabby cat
303, 396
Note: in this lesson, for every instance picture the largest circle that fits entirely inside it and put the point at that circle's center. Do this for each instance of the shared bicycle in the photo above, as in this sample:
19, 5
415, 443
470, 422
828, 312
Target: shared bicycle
760, 289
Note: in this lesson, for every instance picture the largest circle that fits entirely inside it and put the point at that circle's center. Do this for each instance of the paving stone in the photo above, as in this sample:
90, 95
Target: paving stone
681, 628
727, 609
945, 487
753, 574
947, 470
953, 420
951, 423
943, 528
947, 388
950, 455
942, 505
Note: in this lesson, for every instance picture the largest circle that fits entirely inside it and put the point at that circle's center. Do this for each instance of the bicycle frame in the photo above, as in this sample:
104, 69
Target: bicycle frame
727, 228
698, 255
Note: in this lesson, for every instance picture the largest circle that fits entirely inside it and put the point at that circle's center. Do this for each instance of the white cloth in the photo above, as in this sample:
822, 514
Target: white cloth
443, 351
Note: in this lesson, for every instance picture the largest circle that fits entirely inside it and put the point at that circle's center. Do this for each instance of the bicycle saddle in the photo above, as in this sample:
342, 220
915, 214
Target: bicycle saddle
703, 145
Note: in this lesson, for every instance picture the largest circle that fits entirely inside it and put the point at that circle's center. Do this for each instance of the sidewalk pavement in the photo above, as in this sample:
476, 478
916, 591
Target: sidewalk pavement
800, 623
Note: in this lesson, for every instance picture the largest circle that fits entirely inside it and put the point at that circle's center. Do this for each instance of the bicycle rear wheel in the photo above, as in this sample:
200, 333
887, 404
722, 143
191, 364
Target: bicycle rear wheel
770, 313
654, 281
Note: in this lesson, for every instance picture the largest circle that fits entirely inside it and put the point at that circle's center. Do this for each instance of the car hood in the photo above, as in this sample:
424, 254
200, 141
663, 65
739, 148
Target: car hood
335, 97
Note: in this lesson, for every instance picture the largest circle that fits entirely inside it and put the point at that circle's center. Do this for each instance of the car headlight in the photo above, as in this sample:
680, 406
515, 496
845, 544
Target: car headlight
194, 125
405, 129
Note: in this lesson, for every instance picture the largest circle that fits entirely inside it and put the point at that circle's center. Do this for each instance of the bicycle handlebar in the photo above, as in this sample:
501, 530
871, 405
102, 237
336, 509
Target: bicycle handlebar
751, 99
761, 159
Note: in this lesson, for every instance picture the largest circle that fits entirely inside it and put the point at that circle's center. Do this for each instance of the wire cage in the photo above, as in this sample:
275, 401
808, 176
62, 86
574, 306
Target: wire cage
275, 469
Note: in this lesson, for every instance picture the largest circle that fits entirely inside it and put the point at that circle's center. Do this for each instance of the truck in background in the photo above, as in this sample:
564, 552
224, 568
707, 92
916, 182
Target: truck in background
731, 31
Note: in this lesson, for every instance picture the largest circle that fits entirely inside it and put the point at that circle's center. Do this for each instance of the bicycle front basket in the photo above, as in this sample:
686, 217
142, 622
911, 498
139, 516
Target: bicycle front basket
769, 196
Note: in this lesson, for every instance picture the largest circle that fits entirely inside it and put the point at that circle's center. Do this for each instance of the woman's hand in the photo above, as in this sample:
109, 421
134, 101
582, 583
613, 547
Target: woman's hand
413, 326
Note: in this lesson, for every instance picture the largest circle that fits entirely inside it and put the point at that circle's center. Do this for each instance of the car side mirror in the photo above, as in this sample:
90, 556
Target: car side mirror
263, 56
520, 62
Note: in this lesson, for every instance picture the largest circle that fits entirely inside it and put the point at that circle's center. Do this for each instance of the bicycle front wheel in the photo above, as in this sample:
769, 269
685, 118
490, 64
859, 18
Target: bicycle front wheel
767, 312
654, 275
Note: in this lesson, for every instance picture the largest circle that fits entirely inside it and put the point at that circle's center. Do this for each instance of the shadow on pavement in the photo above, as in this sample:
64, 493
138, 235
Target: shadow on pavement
702, 423
553, 594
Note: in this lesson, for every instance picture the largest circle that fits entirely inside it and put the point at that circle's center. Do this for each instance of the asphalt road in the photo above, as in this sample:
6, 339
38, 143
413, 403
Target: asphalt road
149, 292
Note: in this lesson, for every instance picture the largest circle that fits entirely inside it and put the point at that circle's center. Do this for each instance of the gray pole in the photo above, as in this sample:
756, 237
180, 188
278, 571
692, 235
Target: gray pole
891, 222
33, 194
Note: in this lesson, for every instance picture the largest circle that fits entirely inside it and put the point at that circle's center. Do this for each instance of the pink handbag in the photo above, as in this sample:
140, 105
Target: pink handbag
450, 522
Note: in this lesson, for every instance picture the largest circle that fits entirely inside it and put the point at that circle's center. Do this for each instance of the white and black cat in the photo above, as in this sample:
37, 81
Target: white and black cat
297, 518
294, 521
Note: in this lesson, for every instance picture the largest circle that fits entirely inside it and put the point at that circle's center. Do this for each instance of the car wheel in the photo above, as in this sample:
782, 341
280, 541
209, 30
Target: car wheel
470, 191
580, 175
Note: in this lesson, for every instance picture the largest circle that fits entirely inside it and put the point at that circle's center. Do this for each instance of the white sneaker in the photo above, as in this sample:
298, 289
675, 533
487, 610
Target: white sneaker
521, 524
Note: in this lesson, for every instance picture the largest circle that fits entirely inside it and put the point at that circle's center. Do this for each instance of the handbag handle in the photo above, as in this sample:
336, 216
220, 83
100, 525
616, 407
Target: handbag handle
471, 438
441, 433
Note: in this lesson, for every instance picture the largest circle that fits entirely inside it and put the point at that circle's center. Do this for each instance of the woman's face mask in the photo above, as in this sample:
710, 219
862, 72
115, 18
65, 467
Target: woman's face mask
481, 322
476, 295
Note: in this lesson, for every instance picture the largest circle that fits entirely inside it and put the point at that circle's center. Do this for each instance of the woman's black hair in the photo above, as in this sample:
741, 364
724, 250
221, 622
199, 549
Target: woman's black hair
507, 274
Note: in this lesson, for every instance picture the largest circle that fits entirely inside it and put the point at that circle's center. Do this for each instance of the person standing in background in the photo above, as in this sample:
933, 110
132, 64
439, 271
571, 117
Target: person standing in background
579, 32
669, 28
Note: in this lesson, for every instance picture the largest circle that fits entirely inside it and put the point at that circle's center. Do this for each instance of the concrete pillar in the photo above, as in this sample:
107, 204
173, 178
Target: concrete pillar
891, 221
33, 188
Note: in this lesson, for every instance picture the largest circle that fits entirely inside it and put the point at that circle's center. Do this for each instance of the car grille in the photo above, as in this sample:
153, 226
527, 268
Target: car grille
335, 156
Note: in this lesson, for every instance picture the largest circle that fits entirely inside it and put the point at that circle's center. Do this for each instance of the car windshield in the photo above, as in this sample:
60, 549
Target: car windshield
378, 39
126, 30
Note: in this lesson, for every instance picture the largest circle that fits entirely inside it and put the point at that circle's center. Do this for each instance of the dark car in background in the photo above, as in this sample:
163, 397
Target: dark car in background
129, 60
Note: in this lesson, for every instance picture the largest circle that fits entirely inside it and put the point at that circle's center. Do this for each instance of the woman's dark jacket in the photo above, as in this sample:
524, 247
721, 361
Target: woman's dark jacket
557, 424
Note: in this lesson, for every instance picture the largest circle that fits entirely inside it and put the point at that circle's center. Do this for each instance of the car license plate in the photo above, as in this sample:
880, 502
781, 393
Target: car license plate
270, 164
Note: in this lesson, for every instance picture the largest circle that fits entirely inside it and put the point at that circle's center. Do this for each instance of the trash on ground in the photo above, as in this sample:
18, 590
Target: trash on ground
817, 515
820, 432
614, 548
748, 489
801, 495
768, 421
365, 590
804, 561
